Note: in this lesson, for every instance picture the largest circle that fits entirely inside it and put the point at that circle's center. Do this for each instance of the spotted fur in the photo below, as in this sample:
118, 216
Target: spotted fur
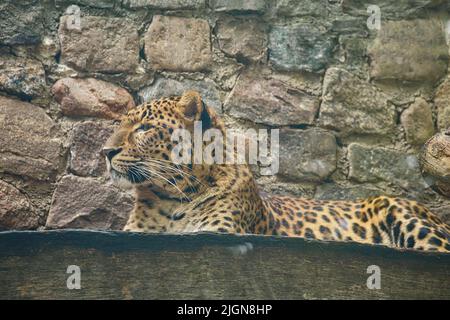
225, 198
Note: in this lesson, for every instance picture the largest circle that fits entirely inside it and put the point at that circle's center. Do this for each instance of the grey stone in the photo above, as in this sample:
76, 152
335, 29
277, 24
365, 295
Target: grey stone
333, 191
442, 102
343, 24
307, 155
354, 107
374, 164
292, 8
353, 53
243, 38
417, 121
86, 143
16, 211
101, 44
300, 47
178, 44
168, 87
87, 203
30, 141
225, 71
21, 22
264, 99
165, 4
91, 97
22, 77
397, 53
238, 5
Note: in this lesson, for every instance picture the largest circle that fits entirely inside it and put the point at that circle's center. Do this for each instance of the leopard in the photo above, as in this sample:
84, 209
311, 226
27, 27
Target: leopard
174, 197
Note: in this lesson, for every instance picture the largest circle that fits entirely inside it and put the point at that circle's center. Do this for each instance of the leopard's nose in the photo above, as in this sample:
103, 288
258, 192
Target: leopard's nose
111, 152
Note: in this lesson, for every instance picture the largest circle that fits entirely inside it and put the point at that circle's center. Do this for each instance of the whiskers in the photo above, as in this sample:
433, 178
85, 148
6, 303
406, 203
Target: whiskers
153, 170
168, 165
136, 174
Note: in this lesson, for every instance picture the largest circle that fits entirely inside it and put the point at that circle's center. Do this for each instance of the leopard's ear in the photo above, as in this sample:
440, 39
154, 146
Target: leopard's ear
193, 109
191, 105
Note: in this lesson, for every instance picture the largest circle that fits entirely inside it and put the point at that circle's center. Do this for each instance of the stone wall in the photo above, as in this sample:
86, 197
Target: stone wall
354, 105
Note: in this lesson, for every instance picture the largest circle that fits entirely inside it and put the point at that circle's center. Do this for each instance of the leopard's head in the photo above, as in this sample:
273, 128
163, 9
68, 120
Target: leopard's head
139, 152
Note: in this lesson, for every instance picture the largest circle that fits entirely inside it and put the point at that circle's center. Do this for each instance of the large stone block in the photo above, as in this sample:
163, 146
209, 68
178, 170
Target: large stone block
86, 203
100, 44
178, 44
16, 211
307, 155
417, 121
352, 106
91, 97
22, 77
86, 144
30, 141
264, 99
243, 38
400, 54
168, 87
300, 47
375, 164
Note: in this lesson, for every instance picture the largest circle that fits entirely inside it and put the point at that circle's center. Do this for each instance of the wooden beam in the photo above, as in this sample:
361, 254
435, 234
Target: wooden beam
117, 265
